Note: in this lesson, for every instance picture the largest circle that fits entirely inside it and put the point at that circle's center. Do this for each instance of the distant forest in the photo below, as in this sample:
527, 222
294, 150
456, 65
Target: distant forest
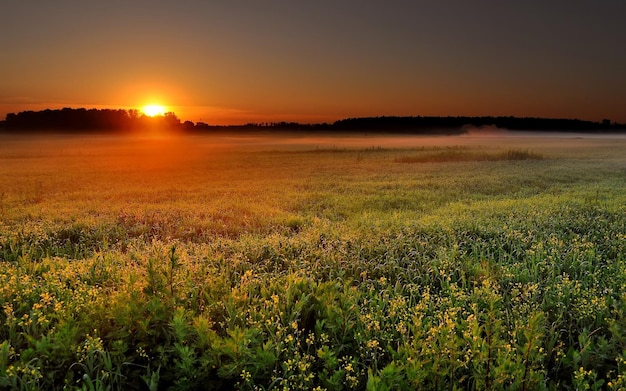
82, 120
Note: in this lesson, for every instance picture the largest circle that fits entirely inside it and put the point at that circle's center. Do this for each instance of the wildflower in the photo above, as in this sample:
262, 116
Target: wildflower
25, 321
246, 376
142, 352
8, 311
303, 366
372, 344
401, 328
42, 320
46, 298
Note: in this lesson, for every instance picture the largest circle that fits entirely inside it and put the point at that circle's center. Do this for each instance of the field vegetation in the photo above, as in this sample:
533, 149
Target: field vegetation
243, 262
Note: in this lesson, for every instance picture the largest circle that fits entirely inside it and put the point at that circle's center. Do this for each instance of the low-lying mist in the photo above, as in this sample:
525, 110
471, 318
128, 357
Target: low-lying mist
183, 148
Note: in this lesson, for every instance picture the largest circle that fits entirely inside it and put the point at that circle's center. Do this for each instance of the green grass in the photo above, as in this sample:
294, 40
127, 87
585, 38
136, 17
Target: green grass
205, 263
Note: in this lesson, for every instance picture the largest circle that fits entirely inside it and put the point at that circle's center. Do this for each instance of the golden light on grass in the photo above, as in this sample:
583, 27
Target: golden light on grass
153, 110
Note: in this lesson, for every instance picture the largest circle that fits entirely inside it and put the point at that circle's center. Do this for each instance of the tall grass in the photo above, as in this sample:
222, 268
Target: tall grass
454, 155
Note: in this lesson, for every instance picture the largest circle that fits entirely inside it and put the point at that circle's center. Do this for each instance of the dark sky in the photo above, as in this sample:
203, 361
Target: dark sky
242, 61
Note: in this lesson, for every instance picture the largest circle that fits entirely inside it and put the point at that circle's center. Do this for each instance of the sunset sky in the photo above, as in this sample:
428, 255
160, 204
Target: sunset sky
240, 61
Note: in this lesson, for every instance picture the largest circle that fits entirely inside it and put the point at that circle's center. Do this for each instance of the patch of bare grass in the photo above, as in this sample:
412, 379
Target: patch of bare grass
455, 155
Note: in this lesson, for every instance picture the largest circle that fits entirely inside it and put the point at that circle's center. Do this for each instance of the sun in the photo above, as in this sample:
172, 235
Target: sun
153, 110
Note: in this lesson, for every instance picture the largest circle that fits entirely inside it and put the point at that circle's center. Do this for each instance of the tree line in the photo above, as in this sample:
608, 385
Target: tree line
111, 120
86, 120
430, 125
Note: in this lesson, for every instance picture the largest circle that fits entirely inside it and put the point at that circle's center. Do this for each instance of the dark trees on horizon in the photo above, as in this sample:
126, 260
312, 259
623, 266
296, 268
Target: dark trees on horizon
109, 120
86, 120
463, 123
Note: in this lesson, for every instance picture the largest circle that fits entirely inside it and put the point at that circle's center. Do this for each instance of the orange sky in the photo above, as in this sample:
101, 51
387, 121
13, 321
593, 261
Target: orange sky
278, 60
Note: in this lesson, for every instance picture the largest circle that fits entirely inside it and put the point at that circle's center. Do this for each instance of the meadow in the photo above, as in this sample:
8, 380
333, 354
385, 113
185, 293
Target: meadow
296, 262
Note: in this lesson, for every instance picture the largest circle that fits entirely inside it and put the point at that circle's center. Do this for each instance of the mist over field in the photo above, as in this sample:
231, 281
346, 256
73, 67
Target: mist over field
187, 155
259, 140
474, 136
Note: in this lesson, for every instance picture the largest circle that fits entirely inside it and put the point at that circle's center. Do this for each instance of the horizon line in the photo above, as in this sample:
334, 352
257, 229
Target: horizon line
604, 121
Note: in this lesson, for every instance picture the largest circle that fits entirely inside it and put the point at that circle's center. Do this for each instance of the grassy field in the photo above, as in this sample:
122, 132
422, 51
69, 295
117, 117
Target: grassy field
262, 263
